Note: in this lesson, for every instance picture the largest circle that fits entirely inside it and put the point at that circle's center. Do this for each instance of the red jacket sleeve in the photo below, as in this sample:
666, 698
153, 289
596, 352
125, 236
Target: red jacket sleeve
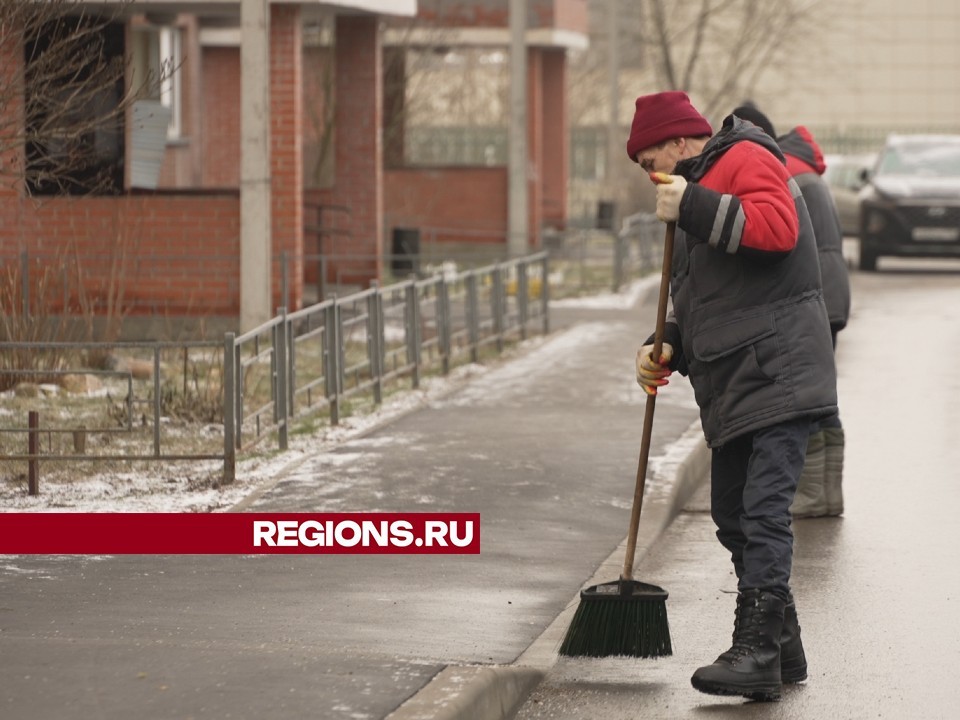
743, 204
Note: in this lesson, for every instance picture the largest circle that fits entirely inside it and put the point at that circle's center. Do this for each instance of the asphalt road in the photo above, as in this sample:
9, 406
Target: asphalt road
878, 590
543, 447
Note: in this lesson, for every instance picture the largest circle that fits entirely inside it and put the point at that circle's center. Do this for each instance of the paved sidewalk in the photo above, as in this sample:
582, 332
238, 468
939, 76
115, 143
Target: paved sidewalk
544, 447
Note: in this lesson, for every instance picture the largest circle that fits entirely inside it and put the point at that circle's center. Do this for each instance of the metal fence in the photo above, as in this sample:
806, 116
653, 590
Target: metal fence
588, 261
315, 360
131, 427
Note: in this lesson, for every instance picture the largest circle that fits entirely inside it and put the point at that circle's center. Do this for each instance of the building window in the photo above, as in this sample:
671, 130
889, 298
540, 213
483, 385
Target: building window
73, 92
156, 57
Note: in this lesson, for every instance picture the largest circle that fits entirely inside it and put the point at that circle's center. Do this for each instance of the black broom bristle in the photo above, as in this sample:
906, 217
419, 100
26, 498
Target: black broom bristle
617, 619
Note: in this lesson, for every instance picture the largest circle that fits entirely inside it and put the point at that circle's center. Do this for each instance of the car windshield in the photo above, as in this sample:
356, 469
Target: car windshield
926, 159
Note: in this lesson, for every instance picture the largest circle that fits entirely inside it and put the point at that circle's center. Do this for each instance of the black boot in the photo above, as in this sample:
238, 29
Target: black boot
793, 662
751, 667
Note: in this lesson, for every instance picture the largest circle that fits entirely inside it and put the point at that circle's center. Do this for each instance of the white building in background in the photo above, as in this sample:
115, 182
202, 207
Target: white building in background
880, 64
856, 71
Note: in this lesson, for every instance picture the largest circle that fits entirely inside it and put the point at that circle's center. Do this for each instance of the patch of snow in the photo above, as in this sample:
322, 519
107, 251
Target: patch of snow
623, 300
557, 354
184, 486
663, 468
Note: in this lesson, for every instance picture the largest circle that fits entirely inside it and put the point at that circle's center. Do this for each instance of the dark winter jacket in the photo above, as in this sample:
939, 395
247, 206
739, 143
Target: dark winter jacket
749, 324
805, 164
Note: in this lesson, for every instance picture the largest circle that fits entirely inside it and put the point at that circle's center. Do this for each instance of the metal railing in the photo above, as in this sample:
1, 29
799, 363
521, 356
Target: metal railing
295, 365
639, 248
315, 359
119, 425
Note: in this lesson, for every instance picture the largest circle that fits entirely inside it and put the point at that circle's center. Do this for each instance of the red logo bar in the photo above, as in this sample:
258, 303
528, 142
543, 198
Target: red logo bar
239, 533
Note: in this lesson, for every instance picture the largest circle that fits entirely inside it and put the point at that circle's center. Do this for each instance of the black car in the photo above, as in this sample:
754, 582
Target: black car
910, 205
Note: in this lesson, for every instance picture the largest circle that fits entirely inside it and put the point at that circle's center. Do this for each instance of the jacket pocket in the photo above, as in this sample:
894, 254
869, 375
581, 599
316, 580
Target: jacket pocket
717, 342
741, 369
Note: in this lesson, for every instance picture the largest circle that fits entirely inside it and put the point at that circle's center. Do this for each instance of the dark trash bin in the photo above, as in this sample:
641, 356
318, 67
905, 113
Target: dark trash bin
605, 214
405, 251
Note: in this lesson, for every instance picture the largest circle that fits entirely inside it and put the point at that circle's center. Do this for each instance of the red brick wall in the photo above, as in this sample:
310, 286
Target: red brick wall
555, 162
358, 171
178, 253
191, 239
464, 201
535, 148
11, 158
467, 14
329, 219
571, 15
565, 14
221, 117
286, 148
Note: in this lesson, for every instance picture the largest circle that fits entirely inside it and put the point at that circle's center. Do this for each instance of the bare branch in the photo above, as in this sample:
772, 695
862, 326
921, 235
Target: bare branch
665, 46
699, 32
63, 95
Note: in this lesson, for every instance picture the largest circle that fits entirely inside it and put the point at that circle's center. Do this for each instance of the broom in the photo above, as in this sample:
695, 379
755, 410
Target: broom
628, 617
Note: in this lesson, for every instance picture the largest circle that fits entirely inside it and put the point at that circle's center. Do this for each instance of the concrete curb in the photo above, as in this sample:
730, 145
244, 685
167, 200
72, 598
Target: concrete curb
498, 692
471, 693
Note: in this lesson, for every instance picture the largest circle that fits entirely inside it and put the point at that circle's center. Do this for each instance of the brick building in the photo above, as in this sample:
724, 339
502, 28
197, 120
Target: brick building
171, 230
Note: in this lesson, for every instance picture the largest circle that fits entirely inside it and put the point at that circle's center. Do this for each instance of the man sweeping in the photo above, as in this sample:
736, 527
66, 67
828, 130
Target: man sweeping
750, 329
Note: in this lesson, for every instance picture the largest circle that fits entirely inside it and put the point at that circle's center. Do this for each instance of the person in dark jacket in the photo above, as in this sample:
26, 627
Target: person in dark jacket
750, 329
820, 491
822, 494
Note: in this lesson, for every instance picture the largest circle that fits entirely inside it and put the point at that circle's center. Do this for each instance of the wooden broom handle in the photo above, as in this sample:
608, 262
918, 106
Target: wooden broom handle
627, 573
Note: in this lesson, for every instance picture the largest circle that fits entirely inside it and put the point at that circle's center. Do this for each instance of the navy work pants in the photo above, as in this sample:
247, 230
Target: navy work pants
753, 480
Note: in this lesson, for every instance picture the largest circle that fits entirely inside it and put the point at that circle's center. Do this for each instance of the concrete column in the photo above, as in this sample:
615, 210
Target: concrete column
358, 156
255, 222
615, 140
518, 221
192, 99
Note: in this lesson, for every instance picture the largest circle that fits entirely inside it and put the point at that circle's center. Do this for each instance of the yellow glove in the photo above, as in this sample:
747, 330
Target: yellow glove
670, 190
650, 374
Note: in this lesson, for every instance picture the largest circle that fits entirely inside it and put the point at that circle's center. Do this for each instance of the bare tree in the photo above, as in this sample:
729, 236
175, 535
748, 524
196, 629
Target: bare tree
420, 84
433, 81
63, 96
719, 50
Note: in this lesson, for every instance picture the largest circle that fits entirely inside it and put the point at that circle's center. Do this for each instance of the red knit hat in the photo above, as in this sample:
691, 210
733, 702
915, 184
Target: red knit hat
664, 116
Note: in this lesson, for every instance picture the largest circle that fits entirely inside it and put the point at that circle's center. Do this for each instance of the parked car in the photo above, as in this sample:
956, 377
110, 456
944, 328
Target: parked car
910, 205
844, 175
